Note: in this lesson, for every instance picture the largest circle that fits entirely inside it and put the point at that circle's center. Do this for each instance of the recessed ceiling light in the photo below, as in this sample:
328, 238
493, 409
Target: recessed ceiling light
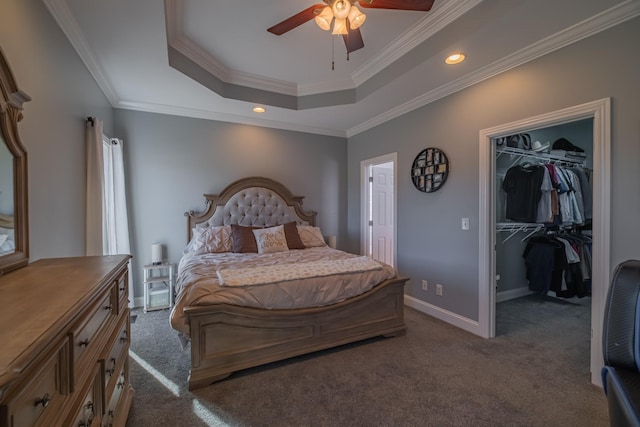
259, 109
455, 58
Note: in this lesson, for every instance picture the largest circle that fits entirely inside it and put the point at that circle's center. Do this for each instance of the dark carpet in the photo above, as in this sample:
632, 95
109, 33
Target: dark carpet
534, 373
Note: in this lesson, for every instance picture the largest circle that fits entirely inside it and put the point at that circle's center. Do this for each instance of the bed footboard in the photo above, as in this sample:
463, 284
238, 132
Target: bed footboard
226, 338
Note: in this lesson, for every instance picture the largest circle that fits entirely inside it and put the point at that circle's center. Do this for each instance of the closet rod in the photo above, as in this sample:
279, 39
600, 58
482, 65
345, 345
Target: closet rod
538, 156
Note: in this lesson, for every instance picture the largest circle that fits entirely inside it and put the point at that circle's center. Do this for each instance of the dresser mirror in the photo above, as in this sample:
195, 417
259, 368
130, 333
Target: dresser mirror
14, 226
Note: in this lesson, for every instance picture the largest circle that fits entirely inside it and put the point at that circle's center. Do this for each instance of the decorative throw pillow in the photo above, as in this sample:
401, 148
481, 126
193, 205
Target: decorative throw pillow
210, 240
243, 239
311, 236
293, 237
271, 239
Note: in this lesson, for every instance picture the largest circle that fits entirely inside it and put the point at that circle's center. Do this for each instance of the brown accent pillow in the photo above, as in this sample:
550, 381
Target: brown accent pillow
292, 236
243, 239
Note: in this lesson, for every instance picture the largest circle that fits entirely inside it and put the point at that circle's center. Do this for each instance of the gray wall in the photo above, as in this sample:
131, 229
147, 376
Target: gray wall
172, 161
63, 94
431, 244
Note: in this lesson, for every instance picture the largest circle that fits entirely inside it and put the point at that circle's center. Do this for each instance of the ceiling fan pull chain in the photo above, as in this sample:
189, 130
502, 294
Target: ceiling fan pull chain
333, 62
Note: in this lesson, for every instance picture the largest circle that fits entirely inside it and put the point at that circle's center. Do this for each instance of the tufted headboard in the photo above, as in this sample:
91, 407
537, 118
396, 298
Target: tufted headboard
251, 201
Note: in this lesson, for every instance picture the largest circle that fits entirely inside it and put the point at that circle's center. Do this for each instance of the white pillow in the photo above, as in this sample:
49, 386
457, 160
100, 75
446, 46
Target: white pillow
311, 236
271, 239
210, 240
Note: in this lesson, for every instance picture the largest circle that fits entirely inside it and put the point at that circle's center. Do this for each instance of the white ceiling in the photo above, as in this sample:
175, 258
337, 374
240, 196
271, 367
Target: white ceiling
223, 45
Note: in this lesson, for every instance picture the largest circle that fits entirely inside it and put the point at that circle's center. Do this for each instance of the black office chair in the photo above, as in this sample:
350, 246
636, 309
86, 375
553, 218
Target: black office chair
621, 346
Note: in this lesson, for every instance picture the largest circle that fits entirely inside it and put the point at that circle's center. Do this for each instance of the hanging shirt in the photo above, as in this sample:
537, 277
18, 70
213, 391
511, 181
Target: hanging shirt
522, 185
545, 213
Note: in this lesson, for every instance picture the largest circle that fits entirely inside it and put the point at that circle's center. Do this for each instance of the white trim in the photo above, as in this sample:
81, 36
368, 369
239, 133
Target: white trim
607, 19
441, 15
137, 302
364, 202
442, 314
600, 111
224, 117
60, 11
617, 14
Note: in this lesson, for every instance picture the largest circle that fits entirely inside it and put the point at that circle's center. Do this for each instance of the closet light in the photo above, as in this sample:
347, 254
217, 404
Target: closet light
455, 58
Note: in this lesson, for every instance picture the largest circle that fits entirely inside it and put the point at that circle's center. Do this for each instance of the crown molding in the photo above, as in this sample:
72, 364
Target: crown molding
439, 17
224, 117
600, 22
174, 18
63, 16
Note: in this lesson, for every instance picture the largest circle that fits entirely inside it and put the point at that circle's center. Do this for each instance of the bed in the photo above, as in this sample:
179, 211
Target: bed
239, 325
7, 235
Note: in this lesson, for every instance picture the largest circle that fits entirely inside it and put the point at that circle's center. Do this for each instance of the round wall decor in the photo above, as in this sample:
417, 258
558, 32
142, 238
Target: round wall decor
430, 170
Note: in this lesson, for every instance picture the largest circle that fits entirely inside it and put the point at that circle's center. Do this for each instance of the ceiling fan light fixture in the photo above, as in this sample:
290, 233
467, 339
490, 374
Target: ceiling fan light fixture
324, 18
340, 26
341, 9
356, 18
455, 58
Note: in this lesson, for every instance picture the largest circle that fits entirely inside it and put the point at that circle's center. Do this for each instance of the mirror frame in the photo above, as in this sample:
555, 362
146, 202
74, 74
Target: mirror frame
10, 114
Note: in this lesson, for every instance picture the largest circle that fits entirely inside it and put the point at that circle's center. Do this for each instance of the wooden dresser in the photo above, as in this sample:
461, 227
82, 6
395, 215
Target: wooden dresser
64, 343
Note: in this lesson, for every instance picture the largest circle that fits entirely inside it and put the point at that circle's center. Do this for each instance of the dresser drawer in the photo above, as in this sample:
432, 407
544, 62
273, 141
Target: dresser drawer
122, 290
118, 353
91, 407
116, 412
42, 394
86, 331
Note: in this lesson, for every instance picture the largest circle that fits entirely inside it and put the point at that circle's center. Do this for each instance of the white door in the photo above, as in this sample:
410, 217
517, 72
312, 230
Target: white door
378, 208
381, 221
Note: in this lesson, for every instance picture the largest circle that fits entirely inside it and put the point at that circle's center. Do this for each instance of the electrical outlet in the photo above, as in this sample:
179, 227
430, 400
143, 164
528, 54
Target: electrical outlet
439, 289
425, 285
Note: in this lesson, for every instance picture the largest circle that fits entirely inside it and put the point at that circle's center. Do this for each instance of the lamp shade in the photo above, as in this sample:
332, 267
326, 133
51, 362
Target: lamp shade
340, 26
341, 9
156, 253
324, 18
356, 18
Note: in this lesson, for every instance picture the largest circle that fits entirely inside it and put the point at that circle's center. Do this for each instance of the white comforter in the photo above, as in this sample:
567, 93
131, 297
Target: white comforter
198, 284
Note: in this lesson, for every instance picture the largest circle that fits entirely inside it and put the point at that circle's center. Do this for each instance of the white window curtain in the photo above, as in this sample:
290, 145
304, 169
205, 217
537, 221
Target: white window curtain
107, 216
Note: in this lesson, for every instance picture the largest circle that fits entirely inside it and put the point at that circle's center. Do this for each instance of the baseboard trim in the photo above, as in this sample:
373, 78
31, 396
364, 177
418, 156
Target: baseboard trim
446, 316
522, 291
136, 302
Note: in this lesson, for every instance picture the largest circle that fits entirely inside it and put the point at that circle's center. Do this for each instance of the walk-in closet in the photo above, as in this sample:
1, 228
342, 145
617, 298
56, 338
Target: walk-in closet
543, 220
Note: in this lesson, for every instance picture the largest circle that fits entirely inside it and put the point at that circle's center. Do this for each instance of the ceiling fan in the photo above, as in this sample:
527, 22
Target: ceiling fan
346, 17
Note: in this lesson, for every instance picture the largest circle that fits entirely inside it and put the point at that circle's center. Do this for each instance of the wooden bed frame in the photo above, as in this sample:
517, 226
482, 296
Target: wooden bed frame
227, 338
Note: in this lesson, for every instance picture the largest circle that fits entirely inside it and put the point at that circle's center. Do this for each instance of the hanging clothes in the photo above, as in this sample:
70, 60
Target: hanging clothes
559, 263
523, 184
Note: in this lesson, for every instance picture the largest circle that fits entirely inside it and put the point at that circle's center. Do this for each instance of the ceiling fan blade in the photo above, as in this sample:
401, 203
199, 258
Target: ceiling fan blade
298, 19
353, 41
421, 5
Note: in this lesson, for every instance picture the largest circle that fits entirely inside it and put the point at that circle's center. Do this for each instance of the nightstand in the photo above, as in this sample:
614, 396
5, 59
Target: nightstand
158, 286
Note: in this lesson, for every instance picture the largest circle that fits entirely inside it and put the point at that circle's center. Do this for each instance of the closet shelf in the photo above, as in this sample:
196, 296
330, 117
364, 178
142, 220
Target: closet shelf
515, 227
545, 157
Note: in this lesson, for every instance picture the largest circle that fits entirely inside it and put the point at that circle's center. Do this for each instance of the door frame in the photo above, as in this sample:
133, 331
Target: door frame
600, 112
365, 200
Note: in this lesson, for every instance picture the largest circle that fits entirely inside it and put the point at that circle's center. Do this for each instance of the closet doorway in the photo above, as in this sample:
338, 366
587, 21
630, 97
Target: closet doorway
378, 208
599, 113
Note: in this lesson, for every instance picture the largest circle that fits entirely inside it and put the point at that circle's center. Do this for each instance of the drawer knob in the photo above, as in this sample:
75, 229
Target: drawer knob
113, 367
108, 307
44, 400
84, 342
123, 340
